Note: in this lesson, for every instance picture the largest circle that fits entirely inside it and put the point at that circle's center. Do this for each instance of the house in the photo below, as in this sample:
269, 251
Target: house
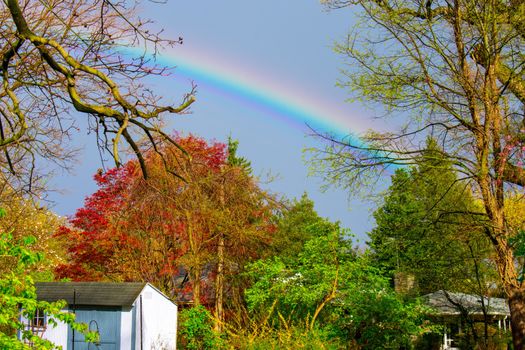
450, 309
128, 316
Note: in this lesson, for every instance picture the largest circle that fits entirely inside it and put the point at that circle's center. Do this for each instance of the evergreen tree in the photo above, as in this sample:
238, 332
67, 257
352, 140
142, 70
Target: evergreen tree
427, 228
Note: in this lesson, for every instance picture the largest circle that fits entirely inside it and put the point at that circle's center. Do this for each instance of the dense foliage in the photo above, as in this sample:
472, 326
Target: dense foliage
427, 228
453, 70
91, 244
179, 234
201, 228
329, 287
196, 330
24, 218
18, 298
276, 275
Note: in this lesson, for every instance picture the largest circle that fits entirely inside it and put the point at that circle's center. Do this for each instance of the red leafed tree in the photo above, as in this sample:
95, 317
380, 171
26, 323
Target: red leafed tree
166, 230
89, 238
173, 219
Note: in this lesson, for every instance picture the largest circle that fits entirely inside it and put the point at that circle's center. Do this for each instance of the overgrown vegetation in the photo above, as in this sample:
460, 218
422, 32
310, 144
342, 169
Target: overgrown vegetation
18, 299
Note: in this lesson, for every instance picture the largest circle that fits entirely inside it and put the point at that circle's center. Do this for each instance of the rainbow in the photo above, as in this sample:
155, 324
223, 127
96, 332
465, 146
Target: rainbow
287, 103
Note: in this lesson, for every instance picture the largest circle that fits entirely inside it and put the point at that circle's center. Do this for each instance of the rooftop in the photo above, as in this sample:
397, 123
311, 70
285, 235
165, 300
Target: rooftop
90, 293
449, 303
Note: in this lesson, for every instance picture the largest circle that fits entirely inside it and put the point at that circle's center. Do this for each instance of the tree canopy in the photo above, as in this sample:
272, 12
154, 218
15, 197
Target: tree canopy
328, 286
18, 297
454, 70
163, 229
425, 227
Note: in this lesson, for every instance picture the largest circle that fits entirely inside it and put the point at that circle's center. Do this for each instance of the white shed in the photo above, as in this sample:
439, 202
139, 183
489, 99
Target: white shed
128, 316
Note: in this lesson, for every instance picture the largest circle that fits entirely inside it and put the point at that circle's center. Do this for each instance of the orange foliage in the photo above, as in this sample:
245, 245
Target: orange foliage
164, 230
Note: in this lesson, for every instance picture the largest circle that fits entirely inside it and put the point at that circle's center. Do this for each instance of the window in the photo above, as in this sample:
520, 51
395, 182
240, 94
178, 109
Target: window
39, 319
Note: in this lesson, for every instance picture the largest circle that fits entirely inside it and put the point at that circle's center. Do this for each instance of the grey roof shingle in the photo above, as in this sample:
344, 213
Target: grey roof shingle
444, 305
90, 293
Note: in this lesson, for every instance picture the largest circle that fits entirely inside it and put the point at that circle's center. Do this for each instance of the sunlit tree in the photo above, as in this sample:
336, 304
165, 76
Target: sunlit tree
452, 69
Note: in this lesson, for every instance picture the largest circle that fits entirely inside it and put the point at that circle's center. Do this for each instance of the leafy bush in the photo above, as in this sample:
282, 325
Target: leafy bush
196, 330
330, 288
18, 297
288, 338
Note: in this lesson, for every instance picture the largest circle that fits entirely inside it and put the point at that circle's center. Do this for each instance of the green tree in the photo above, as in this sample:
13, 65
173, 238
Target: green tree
453, 69
26, 218
293, 227
425, 228
327, 287
18, 298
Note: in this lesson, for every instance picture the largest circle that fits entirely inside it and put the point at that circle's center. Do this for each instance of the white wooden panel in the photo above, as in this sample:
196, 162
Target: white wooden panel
159, 315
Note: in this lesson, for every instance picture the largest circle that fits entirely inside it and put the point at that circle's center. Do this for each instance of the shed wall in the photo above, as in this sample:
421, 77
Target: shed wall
57, 335
147, 325
158, 321
126, 328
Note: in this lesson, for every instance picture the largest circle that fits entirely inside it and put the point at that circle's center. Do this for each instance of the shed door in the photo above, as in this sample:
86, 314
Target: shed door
106, 321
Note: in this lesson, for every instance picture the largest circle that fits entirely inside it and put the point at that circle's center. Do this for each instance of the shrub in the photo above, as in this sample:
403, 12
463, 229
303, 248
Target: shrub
196, 330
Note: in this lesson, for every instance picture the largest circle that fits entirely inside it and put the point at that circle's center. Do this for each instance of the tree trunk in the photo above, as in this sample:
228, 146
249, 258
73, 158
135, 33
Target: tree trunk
219, 285
219, 280
196, 280
505, 262
517, 317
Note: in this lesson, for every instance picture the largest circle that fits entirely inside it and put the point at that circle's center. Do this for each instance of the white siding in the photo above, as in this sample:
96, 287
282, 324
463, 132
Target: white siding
126, 318
159, 318
57, 335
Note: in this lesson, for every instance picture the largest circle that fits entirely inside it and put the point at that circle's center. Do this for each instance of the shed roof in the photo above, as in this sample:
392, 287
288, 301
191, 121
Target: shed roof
90, 293
449, 303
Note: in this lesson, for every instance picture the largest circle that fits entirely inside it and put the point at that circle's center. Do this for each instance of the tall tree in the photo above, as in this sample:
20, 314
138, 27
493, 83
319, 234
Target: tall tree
176, 219
154, 230
424, 227
132, 229
293, 227
238, 169
454, 69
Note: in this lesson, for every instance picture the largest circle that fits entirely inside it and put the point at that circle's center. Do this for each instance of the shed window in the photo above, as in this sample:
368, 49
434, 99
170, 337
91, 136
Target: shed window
39, 319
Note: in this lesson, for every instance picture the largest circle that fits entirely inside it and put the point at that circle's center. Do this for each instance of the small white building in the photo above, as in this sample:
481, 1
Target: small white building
127, 316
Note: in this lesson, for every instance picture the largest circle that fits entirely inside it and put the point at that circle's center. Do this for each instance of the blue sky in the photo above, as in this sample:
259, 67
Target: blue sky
238, 52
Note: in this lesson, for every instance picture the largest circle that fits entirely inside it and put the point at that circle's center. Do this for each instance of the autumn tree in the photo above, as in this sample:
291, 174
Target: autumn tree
244, 231
452, 69
128, 230
176, 219
89, 238
170, 231
214, 221
27, 218
62, 60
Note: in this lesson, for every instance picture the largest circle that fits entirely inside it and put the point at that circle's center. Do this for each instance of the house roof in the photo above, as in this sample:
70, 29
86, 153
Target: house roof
449, 303
90, 293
